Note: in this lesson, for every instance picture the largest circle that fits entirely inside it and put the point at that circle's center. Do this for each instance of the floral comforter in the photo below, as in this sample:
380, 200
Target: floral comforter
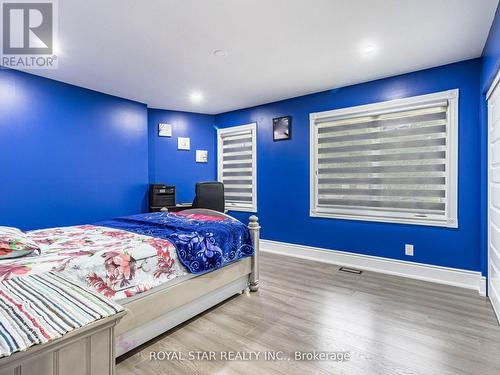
114, 262
204, 243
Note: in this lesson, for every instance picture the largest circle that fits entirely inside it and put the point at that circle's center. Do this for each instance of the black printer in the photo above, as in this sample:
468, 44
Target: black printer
161, 196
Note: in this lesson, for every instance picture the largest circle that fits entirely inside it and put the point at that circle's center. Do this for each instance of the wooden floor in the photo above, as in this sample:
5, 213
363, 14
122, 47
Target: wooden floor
390, 325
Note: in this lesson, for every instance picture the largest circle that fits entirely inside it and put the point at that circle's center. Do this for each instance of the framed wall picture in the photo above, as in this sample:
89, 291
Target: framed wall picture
183, 143
164, 130
201, 156
282, 128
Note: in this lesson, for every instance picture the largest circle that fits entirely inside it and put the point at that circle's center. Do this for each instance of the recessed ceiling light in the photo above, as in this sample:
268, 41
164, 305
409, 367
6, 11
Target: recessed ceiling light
56, 49
368, 49
220, 53
196, 97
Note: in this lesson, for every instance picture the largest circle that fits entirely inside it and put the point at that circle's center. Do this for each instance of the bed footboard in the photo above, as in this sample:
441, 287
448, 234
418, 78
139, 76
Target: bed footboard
176, 304
254, 227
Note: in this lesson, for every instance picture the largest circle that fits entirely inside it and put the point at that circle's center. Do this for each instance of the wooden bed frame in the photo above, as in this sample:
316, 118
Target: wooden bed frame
164, 308
86, 350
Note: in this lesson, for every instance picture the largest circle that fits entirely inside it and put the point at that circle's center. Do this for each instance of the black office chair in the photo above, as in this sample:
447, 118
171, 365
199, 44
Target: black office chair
210, 195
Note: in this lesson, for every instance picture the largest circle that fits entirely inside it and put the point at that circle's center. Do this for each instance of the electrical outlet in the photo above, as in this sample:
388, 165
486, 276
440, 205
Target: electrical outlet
409, 249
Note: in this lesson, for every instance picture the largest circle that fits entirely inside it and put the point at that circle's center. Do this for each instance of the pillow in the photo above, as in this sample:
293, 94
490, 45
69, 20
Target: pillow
15, 243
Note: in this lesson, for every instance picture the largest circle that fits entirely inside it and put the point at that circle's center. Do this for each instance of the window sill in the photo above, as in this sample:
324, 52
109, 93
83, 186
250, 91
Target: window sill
242, 209
390, 220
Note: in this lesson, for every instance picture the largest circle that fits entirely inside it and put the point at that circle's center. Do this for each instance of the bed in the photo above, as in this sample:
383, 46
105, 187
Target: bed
163, 268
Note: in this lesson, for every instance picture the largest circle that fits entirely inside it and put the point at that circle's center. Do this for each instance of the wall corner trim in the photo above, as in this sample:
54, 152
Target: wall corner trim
482, 286
426, 272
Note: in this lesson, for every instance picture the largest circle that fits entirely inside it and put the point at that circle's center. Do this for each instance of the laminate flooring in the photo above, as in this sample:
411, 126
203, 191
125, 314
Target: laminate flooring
386, 324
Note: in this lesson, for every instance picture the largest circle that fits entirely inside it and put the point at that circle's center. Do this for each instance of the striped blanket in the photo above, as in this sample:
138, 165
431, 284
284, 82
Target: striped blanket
36, 309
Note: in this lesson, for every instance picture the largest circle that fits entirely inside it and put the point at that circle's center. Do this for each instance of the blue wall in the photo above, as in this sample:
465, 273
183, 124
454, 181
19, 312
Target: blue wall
176, 167
68, 155
489, 68
71, 155
283, 172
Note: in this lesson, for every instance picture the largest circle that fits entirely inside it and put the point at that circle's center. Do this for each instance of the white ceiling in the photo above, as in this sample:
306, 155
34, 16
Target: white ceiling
160, 51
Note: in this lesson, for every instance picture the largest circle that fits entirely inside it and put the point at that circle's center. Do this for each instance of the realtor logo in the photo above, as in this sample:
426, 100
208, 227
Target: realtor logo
28, 31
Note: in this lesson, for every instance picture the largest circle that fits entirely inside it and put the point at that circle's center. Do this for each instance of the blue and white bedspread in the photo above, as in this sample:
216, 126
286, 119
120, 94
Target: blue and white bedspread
203, 243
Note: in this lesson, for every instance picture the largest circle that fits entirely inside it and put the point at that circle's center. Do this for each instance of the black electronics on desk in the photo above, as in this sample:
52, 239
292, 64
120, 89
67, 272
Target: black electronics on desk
161, 196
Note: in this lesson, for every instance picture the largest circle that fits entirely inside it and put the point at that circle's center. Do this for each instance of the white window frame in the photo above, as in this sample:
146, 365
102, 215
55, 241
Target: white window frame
236, 129
451, 214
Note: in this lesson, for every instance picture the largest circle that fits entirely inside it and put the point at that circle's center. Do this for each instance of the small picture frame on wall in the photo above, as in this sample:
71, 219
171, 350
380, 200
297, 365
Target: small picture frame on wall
164, 130
183, 143
282, 128
201, 156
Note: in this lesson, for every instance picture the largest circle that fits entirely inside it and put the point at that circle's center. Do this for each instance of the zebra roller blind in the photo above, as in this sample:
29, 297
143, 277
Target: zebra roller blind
394, 161
237, 166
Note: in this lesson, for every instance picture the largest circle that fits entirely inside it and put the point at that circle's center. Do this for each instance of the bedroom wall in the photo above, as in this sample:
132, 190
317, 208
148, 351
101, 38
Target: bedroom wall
68, 155
490, 64
283, 172
176, 167
72, 155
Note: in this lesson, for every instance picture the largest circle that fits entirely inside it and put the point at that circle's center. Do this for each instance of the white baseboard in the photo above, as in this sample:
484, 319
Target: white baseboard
426, 272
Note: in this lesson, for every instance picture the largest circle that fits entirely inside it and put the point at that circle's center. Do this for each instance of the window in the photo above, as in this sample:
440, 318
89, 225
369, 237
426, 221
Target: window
237, 166
393, 161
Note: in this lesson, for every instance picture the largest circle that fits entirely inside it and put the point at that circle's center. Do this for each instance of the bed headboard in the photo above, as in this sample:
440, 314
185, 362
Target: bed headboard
206, 211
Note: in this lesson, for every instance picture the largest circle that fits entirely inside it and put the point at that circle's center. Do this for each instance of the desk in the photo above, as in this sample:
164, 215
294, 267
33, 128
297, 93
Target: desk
176, 208
180, 207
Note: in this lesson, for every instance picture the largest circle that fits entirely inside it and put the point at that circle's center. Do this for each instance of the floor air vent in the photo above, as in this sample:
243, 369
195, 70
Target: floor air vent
350, 270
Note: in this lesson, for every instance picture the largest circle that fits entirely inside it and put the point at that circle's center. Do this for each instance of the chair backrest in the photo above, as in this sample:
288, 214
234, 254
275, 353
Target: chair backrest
210, 195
